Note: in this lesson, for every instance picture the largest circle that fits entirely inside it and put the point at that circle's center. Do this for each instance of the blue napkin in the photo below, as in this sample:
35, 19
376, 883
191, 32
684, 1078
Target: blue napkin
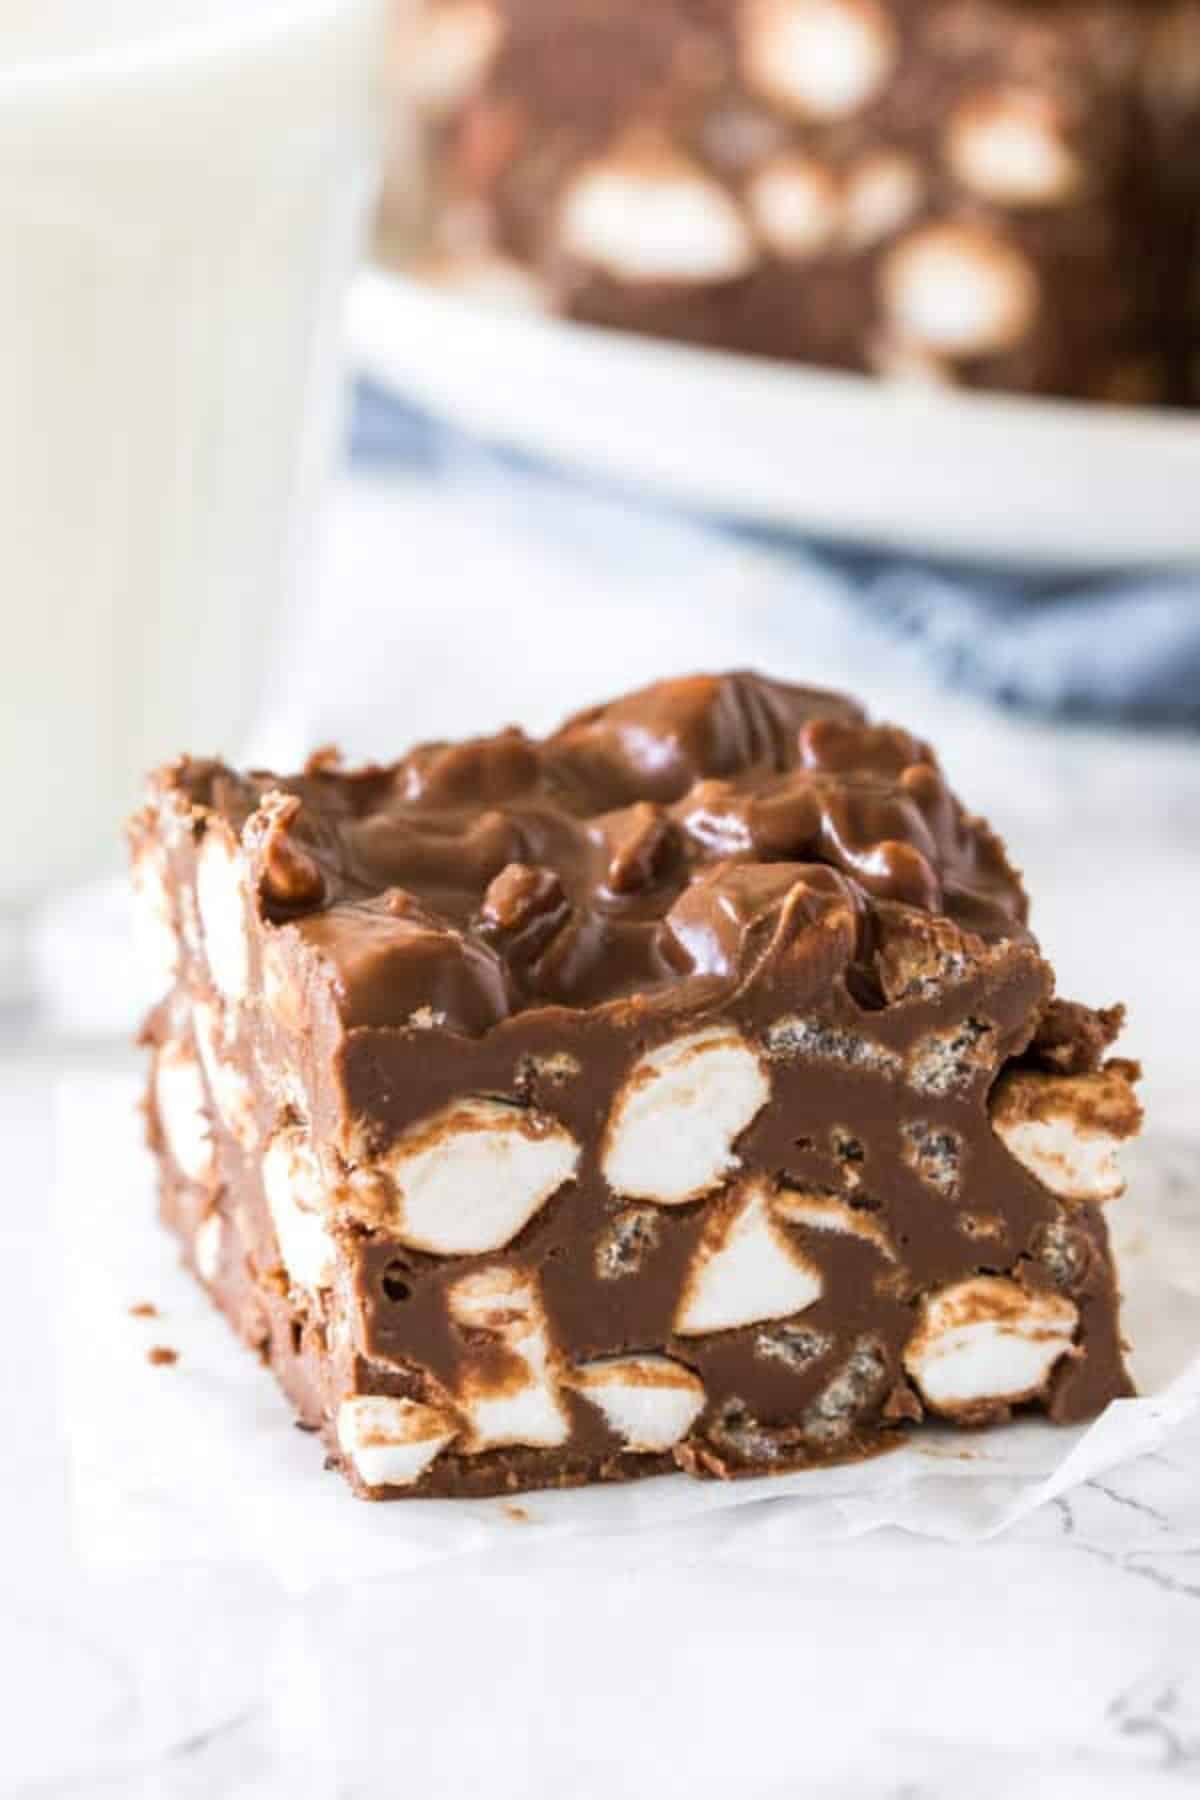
1109, 648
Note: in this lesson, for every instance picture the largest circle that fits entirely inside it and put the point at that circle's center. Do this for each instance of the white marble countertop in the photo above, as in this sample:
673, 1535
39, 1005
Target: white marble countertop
1060, 1660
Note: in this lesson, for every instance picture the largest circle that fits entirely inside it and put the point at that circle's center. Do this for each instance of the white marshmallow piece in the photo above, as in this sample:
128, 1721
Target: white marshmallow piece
1008, 147
156, 944
822, 59
1067, 1129
206, 1246
746, 1268
824, 1212
220, 897
795, 205
883, 191
392, 1442
645, 212
232, 1093
471, 1177
651, 1402
447, 55
183, 1112
671, 1133
1063, 1159
958, 290
511, 1398
987, 1342
291, 1178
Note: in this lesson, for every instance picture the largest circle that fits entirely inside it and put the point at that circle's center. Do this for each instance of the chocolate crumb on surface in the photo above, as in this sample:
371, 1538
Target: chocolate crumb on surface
161, 1355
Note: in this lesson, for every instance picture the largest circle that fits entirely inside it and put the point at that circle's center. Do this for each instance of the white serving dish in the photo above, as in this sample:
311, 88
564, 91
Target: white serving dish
918, 468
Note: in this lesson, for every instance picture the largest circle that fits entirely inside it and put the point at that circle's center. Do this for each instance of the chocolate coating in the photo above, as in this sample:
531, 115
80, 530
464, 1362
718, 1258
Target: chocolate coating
695, 832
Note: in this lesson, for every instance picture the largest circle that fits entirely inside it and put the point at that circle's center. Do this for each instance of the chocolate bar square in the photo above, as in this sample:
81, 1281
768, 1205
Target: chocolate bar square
684, 1090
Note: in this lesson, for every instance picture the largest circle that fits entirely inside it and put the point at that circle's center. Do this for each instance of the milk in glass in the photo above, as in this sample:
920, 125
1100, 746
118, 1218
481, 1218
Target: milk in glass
183, 188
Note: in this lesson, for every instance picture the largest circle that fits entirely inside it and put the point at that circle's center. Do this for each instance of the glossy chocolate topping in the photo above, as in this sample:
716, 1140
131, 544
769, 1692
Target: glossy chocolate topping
698, 831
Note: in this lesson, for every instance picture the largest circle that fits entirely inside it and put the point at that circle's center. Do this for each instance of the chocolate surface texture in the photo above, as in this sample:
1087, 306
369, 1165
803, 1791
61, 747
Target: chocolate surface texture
683, 1090
996, 193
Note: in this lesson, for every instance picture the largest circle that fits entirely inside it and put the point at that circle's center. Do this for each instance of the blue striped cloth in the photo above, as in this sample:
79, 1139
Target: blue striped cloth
1114, 648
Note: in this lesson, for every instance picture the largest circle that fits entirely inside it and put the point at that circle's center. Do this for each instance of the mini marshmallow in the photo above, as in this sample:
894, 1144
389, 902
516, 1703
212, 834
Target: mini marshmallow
959, 290
1067, 1129
183, 1112
671, 1133
1009, 147
223, 916
448, 55
795, 205
823, 59
392, 1442
232, 1094
882, 193
156, 944
509, 1396
651, 1402
746, 1268
292, 1183
471, 1177
987, 1342
645, 212
823, 1212
206, 1246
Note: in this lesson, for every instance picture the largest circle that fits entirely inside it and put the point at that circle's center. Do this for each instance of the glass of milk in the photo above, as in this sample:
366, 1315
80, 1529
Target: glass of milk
184, 186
